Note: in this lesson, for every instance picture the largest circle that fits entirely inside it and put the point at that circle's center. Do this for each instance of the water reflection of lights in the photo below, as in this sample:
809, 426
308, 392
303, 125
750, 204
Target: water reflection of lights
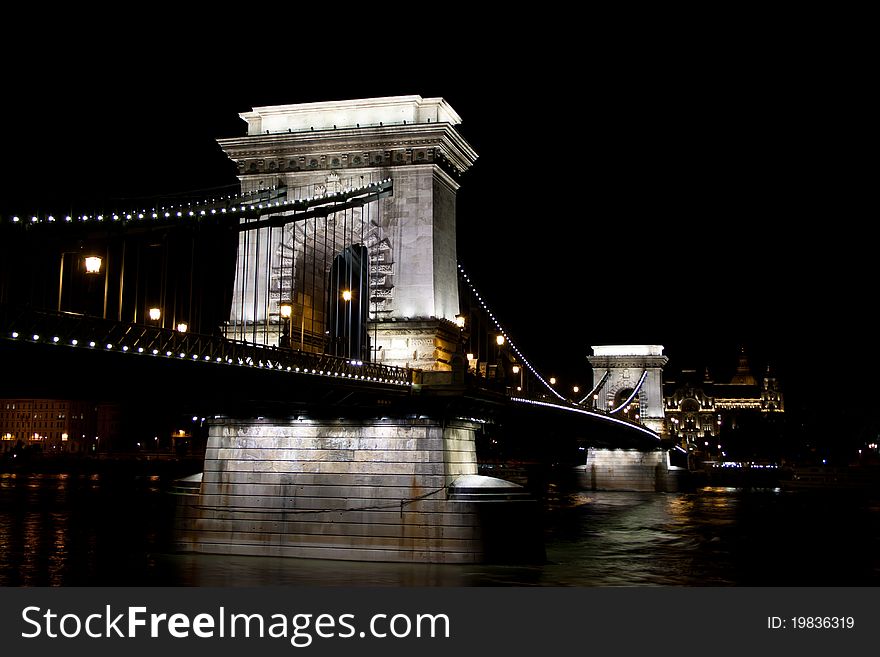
718, 501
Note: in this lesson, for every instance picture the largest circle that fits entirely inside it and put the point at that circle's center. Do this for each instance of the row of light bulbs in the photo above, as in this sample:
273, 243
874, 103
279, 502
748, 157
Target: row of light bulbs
170, 212
239, 361
583, 411
501, 338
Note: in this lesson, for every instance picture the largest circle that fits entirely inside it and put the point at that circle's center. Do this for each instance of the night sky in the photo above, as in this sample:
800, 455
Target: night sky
699, 201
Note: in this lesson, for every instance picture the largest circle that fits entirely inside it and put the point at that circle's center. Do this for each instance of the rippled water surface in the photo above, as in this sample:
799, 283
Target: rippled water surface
85, 530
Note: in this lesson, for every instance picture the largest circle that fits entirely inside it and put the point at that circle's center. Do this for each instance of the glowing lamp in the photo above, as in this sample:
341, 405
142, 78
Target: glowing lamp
459, 321
470, 356
576, 389
516, 369
346, 295
93, 265
155, 314
499, 339
286, 310
182, 327
552, 380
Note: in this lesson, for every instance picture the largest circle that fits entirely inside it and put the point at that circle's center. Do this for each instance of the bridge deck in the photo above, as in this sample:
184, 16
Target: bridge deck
74, 331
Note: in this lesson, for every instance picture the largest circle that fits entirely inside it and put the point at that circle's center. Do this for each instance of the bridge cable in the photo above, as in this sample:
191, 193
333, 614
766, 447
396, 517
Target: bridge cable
596, 389
583, 411
492, 317
632, 395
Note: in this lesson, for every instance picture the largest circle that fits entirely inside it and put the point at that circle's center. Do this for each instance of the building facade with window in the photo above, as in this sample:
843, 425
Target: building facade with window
56, 425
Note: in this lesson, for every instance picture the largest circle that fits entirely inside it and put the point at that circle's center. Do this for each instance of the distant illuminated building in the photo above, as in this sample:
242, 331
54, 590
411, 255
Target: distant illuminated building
703, 414
56, 425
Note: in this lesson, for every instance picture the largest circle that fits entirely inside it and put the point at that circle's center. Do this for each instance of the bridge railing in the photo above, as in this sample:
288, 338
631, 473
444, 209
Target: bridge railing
86, 332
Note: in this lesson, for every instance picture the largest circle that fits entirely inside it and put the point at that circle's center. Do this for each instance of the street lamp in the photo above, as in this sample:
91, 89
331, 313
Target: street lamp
286, 311
93, 264
182, 327
576, 389
155, 314
499, 340
459, 321
518, 370
552, 380
346, 295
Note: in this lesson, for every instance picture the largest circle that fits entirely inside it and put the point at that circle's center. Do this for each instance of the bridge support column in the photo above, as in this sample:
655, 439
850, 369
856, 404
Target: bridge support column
389, 490
630, 469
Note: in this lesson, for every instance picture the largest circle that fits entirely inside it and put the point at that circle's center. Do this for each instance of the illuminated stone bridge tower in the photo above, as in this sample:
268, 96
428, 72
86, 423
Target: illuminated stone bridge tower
633, 372
411, 278
387, 488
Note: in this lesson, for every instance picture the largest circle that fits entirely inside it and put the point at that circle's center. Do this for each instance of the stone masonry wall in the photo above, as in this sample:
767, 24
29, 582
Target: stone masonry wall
335, 490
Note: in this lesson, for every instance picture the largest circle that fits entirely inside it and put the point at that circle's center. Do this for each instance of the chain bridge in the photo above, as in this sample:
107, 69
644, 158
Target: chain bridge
348, 363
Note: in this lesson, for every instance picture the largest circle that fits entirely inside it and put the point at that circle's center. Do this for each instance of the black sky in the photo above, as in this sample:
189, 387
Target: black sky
700, 199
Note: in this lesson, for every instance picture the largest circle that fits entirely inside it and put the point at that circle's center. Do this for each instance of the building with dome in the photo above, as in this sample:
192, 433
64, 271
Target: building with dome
724, 420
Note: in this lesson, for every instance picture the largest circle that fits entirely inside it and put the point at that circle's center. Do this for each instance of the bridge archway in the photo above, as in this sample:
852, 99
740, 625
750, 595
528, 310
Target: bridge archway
631, 410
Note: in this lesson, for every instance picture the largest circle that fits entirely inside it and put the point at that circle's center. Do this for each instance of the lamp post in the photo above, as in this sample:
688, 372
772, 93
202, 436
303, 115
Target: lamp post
347, 320
93, 268
518, 370
286, 311
93, 265
499, 362
463, 345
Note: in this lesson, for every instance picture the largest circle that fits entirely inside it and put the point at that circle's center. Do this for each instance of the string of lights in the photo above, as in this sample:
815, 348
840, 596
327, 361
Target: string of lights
583, 411
232, 204
164, 343
500, 328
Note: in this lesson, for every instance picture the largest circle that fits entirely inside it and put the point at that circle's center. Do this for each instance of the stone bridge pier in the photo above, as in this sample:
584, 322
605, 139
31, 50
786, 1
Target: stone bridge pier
631, 470
379, 490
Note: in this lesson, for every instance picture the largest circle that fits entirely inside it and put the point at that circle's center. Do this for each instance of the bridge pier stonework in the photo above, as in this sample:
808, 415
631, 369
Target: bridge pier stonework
630, 470
316, 149
389, 490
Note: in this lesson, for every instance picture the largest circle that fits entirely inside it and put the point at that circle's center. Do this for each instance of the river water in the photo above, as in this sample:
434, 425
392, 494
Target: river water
67, 529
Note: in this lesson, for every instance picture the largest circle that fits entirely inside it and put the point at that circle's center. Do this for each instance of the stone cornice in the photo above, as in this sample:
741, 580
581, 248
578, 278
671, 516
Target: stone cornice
634, 362
442, 136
